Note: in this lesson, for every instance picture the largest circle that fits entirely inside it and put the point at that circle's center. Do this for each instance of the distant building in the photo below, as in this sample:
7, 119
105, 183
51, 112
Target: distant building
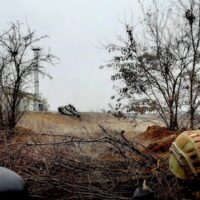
27, 102
29, 99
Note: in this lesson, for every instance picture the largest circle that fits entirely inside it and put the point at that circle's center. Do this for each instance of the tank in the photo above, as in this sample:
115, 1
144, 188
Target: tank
69, 110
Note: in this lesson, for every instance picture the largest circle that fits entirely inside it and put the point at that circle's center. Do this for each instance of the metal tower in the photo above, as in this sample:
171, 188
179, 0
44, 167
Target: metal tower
36, 79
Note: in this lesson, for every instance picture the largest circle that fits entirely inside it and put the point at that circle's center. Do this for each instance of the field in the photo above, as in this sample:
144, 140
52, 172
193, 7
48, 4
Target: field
87, 125
95, 157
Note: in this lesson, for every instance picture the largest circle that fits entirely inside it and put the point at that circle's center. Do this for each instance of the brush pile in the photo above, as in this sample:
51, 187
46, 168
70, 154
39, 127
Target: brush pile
54, 167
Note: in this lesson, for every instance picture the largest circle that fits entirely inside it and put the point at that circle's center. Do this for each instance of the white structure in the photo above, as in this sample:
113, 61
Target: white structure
27, 101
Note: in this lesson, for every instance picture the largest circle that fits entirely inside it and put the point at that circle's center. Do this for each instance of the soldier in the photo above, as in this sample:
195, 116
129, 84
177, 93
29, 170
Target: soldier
184, 160
12, 185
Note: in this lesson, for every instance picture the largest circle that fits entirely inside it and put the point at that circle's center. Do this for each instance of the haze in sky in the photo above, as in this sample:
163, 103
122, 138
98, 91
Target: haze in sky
75, 28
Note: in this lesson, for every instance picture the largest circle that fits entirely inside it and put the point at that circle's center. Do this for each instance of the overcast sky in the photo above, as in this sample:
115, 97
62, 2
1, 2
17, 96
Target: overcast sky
74, 28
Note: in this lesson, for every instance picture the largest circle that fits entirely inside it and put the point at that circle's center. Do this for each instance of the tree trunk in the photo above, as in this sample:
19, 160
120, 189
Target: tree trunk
191, 103
191, 117
172, 120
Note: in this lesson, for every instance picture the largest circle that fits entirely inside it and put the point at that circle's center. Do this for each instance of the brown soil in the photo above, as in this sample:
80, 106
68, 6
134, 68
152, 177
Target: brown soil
157, 139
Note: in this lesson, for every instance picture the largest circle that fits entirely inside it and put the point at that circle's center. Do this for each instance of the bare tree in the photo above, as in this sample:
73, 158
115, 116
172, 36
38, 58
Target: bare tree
191, 12
17, 65
153, 67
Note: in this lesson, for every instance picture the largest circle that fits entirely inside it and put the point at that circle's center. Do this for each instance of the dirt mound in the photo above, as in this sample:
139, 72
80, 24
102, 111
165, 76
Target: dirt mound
158, 139
158, 132
162, 145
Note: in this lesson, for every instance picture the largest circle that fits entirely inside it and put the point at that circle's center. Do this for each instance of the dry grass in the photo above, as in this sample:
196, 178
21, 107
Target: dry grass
63, 157
56, 167
87, 126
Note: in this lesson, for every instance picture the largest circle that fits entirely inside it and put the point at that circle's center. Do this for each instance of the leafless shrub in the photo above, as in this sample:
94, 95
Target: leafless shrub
56, 169
16, 69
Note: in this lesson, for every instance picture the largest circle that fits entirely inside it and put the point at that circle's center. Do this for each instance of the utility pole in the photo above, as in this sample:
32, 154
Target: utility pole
36, 79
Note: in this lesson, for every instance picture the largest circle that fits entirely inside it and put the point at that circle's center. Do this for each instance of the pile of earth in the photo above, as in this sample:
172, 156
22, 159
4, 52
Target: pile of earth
158, 139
